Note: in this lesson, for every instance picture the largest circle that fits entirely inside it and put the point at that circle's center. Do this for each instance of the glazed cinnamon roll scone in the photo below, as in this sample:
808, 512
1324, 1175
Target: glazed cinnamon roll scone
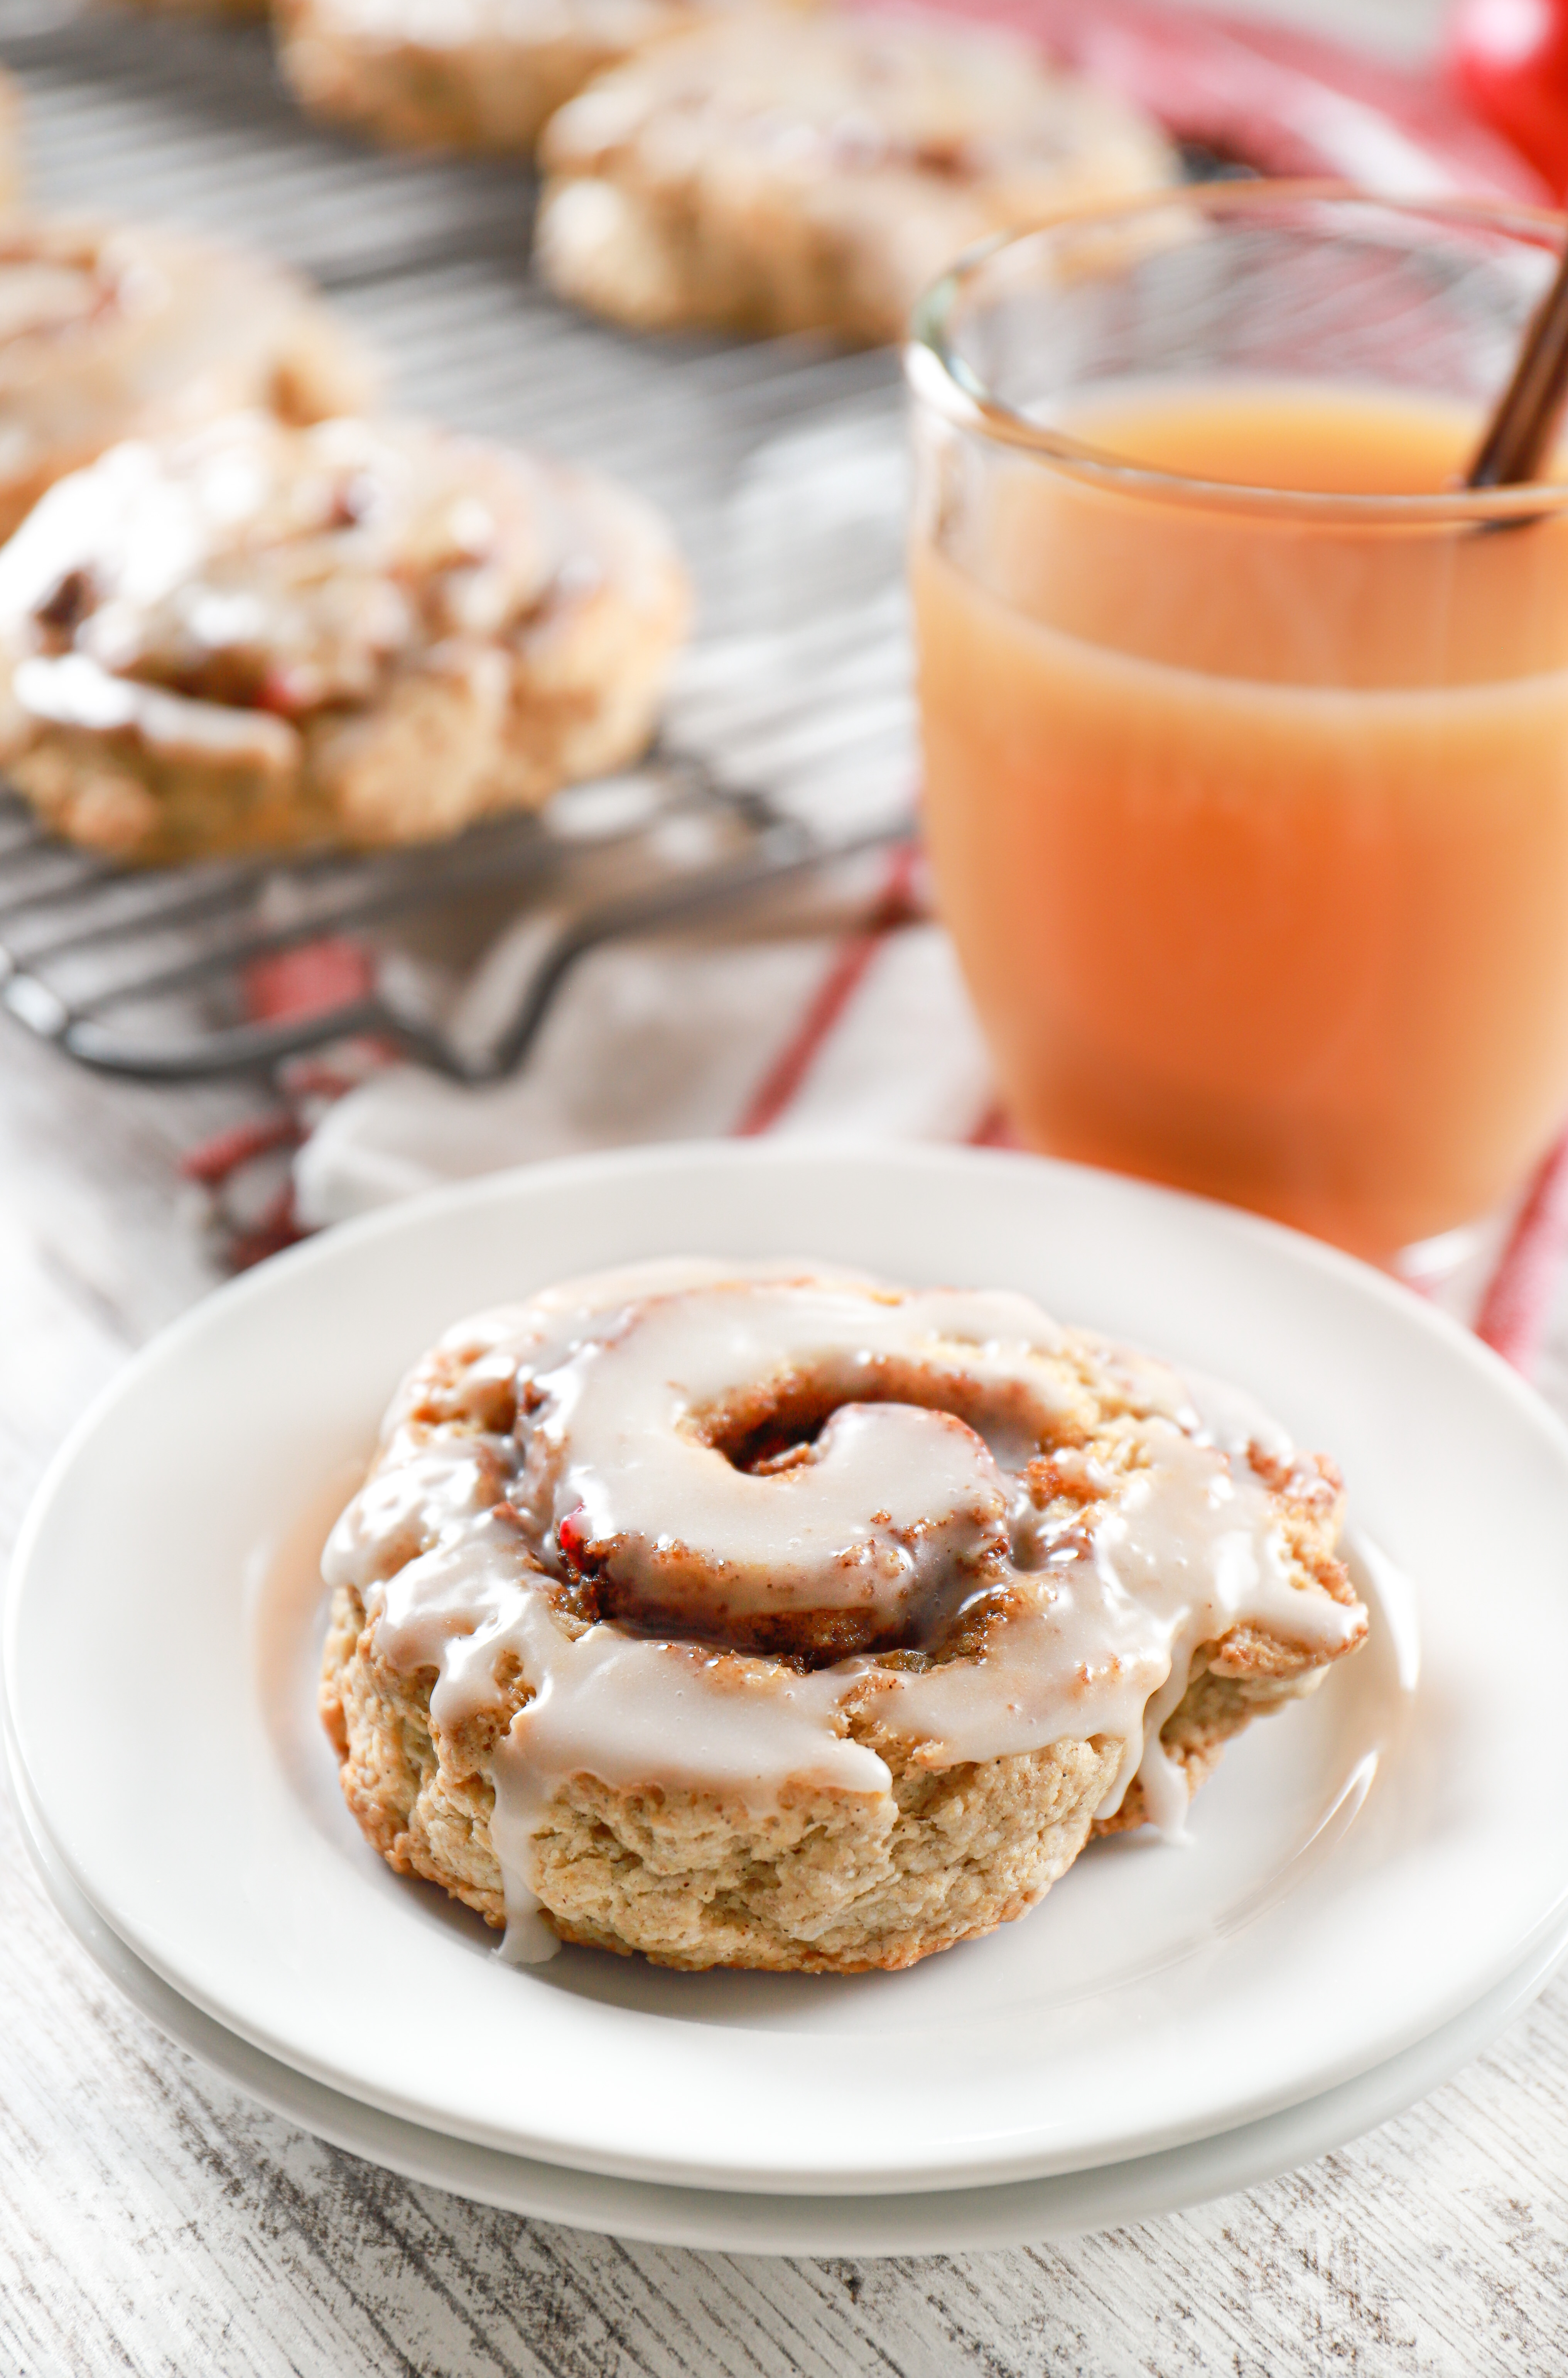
259, 638
480, 75
111, 331
770, 171
767, 1616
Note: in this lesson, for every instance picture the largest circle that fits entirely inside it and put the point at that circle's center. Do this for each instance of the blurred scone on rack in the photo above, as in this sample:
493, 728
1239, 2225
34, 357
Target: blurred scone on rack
772, 172
254, 637
462, 74
112, 331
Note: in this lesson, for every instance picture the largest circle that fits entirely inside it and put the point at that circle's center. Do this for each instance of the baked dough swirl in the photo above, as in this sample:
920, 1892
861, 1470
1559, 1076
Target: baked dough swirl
772, 1617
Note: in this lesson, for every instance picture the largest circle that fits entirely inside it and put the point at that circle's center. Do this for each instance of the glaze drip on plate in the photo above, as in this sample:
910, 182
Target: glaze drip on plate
740, 1530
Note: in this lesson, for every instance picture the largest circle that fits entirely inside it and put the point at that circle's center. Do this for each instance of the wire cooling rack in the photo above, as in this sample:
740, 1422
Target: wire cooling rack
788, 736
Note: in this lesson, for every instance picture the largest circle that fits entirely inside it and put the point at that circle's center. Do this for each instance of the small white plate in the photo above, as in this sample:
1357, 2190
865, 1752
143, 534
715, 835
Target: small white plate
1365, 1868
1019, 2213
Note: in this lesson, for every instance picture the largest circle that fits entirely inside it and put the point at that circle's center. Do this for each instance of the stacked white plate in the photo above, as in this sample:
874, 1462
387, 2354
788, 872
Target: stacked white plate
1376, 1879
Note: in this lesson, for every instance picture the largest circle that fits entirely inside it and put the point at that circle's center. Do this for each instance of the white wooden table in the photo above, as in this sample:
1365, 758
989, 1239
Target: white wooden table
153, 2221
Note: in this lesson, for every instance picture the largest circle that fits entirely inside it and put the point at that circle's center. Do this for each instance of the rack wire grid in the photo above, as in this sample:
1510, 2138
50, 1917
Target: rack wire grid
788, 737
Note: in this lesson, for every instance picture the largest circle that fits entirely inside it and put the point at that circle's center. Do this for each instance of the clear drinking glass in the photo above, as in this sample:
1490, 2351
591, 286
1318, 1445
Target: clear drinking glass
1246, 728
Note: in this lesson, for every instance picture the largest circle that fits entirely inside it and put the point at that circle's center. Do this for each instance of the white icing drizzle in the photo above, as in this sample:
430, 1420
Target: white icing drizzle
889, 1494
73, 691
895, 1513
1192, 1544
256, 569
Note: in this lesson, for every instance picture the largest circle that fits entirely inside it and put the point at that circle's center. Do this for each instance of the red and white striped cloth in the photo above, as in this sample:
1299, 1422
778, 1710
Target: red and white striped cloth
846, 1017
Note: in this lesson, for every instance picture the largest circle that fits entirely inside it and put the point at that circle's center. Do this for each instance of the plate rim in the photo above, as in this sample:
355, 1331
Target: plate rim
976, 2220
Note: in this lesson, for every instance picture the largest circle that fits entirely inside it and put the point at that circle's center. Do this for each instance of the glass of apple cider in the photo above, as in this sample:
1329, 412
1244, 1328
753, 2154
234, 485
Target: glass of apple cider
1245, 726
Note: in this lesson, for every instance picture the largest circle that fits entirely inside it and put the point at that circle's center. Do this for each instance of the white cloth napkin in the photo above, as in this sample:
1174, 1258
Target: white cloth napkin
833, 1030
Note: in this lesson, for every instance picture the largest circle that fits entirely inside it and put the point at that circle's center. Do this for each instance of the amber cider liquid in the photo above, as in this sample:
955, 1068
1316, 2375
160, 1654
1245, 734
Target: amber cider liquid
1252, 828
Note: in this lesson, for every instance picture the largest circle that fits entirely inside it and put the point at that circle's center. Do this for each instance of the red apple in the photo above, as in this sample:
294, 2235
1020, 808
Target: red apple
1510, 60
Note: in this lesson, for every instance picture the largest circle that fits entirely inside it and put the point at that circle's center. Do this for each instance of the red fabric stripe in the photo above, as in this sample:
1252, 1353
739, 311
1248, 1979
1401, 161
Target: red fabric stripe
309, 981
994, 1129
780, 1085
276, 1228
307, 1077
215, 1158
1518, 1300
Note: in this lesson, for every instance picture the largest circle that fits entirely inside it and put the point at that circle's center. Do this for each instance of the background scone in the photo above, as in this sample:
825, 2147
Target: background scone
112, 331
753, 1616
462, 74
773, 172
257, 637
